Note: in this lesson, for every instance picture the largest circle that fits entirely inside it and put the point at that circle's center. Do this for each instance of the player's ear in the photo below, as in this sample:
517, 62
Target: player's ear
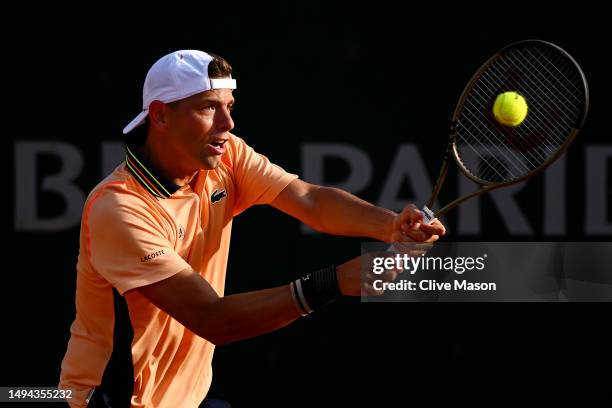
158, 114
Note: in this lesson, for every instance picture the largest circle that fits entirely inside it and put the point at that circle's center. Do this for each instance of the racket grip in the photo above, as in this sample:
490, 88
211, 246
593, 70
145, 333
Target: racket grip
428, 215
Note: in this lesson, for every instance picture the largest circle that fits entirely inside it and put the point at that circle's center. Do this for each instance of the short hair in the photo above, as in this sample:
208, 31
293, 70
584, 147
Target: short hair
219, 67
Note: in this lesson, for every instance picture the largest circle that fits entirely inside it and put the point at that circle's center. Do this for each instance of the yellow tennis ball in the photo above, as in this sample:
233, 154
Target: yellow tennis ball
510, 109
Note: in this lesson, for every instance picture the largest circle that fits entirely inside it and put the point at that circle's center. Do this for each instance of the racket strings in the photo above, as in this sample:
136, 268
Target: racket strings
479, 126
575, 92
540, 121
553, 89
554, 98
531, 126
534, 88
497, 164
492, 166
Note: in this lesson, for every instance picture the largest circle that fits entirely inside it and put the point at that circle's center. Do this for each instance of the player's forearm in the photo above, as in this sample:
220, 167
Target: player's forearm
193, 302
245, 315
341, 213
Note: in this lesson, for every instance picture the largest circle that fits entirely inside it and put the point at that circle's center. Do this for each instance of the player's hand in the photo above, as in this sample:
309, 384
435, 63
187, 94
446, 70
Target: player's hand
355, 277
409, 225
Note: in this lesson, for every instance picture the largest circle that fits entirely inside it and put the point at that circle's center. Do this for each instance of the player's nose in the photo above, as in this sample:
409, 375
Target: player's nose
224, 120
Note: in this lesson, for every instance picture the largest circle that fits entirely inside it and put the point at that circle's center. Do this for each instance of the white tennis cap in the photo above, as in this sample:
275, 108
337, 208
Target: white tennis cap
175, 76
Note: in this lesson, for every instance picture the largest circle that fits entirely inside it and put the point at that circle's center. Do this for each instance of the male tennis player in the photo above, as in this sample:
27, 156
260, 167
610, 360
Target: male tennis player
155, 238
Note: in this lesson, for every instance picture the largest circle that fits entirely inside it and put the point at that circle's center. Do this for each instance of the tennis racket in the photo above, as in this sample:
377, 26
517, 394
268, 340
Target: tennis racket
495, 155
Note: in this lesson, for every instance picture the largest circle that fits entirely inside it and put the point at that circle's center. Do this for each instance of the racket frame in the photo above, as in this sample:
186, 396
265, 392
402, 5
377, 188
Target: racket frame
451, 150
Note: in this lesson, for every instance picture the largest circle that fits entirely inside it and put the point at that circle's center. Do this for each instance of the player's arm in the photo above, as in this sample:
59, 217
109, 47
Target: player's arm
191, 300
335, 211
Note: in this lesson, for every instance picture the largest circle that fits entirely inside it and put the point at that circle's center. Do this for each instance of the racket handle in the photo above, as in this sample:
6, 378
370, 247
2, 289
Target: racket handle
428, 215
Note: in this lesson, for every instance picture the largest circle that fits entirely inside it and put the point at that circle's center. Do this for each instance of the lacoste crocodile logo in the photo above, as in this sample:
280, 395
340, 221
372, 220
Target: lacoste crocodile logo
217, 196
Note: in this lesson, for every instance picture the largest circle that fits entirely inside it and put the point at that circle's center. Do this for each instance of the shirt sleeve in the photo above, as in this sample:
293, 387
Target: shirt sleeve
258, 181
128, 244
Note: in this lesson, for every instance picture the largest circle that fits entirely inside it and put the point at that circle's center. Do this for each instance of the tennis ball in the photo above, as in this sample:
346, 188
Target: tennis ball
510, 109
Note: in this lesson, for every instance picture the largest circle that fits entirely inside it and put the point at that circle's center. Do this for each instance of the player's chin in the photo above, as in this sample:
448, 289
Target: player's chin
210, 162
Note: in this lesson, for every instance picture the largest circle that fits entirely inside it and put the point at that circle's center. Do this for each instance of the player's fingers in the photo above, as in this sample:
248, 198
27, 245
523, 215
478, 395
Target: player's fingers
433, 229
390, 275
370, 278
401, 237
411, 215
416, 235
407, 211
368, 290
436, 221
387, 276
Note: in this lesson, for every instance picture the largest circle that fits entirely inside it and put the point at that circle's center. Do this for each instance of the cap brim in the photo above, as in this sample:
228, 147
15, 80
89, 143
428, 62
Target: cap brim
137, 121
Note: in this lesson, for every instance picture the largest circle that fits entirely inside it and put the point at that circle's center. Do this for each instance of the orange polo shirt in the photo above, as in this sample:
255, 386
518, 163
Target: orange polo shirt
138, 228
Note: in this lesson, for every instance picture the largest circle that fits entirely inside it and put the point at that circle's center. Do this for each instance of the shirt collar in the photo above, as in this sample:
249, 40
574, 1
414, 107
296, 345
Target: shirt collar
147, 175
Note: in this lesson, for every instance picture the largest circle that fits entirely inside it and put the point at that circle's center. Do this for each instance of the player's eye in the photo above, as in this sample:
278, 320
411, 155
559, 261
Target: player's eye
207, 108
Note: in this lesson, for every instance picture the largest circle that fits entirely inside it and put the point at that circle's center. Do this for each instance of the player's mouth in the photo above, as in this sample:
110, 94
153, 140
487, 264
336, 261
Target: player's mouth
217, 146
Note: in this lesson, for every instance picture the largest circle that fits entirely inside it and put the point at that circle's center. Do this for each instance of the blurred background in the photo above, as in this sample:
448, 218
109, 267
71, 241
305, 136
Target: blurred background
344, 94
